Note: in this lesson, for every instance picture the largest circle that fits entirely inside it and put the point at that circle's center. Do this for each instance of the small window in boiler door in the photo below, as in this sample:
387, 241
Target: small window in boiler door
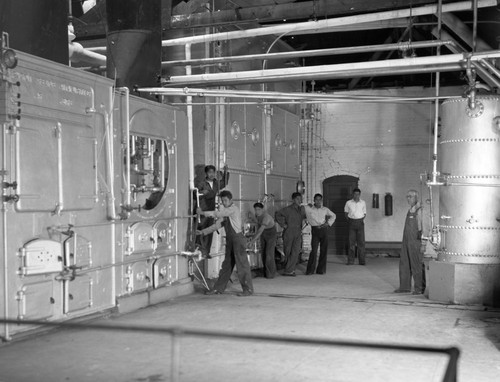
148, 170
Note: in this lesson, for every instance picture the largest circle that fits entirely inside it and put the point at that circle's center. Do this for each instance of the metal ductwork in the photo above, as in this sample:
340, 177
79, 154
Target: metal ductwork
134, 42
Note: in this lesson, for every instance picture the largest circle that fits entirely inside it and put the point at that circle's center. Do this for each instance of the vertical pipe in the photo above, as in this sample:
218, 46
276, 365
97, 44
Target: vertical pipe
176, 358
4, 237
474, 28
436, 103
266, 142
126, 143
60, 196
221, 155
108, 121
306, 154
161, 165
114, 269
189, 110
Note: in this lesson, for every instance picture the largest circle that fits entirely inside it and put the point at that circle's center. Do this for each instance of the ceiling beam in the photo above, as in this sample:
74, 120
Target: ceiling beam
93, 24
463, 31
313, 26
317, 9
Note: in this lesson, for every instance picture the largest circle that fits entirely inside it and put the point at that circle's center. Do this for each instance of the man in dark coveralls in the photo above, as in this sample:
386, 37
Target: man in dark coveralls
267, 233
209, 189
411, 257
291, 218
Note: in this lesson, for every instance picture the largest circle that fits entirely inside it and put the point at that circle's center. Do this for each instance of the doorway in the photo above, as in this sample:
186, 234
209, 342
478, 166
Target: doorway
337, 190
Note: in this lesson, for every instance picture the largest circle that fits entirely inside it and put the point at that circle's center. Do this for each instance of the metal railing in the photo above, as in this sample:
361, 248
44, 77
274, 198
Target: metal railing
177, 332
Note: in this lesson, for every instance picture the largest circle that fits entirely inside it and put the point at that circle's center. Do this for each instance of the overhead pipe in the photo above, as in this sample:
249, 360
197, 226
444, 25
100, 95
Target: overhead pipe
339, 100
316, 97
401, 46
318, 25
452, 62
493, 78
314, 26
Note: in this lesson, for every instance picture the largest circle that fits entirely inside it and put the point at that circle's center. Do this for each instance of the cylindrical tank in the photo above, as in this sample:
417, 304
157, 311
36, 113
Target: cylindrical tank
469, 205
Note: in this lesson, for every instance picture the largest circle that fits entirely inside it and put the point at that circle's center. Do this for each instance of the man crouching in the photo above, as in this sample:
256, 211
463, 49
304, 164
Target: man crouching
229, 217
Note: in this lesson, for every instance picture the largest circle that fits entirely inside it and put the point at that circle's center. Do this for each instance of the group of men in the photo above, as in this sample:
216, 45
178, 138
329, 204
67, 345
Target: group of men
290, 218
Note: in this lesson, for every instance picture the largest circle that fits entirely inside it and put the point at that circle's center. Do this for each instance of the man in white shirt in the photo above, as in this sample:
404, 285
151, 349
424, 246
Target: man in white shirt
355, 212
229, 215
320, 218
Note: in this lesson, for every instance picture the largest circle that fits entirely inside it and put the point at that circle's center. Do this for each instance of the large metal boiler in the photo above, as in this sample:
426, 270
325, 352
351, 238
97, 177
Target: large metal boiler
94, 195
470, 165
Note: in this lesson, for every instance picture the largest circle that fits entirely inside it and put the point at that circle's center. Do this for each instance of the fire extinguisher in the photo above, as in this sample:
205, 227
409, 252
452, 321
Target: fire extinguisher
388, 204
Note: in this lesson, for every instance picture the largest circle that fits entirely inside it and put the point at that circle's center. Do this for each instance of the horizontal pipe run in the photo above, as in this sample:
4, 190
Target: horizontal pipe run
292, 102
318, 26
451, 351
402, 46
272, 95
314, 26
450, 62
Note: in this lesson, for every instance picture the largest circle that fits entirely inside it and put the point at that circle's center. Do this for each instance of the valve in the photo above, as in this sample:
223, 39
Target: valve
12, 185
13, 198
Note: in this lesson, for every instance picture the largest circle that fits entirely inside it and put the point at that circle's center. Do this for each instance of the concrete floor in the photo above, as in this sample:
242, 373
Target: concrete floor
353, 303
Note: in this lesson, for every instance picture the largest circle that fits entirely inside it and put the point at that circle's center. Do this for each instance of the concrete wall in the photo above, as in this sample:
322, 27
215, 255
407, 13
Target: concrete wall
387, 146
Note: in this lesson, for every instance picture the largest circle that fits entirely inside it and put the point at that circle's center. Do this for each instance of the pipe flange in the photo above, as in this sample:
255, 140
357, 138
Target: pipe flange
476, 112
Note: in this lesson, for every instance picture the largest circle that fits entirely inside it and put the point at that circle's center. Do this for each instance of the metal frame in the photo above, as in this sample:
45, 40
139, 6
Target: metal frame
177, 333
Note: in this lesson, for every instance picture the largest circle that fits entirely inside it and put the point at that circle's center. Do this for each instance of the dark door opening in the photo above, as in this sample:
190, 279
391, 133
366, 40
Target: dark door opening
337, 190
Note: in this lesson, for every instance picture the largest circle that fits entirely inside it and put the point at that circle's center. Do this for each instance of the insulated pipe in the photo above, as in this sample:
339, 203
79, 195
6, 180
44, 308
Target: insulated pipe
313, 97
402, 46
314, 26
449, 62
77, 53
4, 237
